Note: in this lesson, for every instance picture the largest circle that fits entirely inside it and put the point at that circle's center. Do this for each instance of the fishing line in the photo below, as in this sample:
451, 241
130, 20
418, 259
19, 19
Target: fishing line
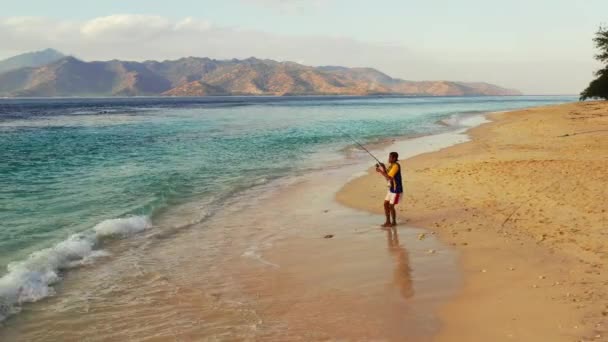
360, 145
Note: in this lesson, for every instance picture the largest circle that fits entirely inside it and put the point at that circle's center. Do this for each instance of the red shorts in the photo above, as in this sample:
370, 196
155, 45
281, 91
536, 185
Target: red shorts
393, 198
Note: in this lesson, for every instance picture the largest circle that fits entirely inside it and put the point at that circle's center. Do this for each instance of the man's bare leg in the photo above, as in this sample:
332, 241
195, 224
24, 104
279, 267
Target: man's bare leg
393, 215
387, 213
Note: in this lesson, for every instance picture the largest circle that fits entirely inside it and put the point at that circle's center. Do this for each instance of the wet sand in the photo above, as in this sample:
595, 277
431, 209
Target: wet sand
338, 276
525, 202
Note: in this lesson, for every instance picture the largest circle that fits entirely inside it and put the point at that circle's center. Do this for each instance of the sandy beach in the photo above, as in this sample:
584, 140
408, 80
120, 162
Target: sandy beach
525, 202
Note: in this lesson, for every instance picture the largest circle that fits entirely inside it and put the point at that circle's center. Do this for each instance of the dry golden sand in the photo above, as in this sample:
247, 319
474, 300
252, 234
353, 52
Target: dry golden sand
526, 203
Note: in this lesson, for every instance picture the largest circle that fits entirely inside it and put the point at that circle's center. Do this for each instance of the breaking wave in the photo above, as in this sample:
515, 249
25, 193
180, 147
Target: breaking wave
32, 279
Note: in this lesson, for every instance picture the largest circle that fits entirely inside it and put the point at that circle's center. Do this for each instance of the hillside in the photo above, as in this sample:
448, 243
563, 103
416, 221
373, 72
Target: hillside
30, 59
194, 76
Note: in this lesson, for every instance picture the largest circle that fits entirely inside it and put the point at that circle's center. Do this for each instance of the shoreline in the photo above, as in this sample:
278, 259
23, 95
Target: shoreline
353, 296
472, 193
264, 282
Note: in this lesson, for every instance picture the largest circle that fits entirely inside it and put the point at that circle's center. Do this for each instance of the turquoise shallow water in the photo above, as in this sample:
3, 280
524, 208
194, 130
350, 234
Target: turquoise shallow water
104, 167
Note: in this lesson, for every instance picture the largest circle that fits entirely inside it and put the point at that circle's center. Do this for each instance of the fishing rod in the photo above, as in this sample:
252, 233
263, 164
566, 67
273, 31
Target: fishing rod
362, 147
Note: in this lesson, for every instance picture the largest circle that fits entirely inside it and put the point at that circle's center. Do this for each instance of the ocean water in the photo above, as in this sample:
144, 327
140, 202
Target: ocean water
77, 175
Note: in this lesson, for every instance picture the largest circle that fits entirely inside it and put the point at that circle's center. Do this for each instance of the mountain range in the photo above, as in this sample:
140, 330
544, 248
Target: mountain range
50, 73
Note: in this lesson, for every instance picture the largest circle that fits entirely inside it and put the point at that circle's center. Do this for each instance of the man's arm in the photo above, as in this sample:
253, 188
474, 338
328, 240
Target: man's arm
382, 171
391, 172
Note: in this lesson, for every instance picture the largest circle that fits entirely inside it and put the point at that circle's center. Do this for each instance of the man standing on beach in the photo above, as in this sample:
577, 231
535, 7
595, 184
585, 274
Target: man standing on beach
395, 188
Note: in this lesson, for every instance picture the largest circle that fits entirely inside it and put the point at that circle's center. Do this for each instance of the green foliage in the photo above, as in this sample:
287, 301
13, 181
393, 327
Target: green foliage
601, 42
598, 88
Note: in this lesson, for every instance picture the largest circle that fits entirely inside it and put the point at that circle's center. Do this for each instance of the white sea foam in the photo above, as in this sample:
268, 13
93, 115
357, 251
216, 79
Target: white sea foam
452, 120
122, 226
253, 253
473, 120
464, 120
260, 181
32, 279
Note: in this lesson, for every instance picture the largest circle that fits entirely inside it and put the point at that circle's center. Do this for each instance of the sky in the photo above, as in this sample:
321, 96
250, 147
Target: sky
535, 46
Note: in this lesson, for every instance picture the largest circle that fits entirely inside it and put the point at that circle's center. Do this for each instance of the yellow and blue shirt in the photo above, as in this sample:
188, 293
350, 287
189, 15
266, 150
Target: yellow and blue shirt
395, 184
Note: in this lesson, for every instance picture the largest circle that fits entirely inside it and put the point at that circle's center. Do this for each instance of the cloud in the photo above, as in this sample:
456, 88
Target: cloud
144, 37
289, 6
141, 37
124, 26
